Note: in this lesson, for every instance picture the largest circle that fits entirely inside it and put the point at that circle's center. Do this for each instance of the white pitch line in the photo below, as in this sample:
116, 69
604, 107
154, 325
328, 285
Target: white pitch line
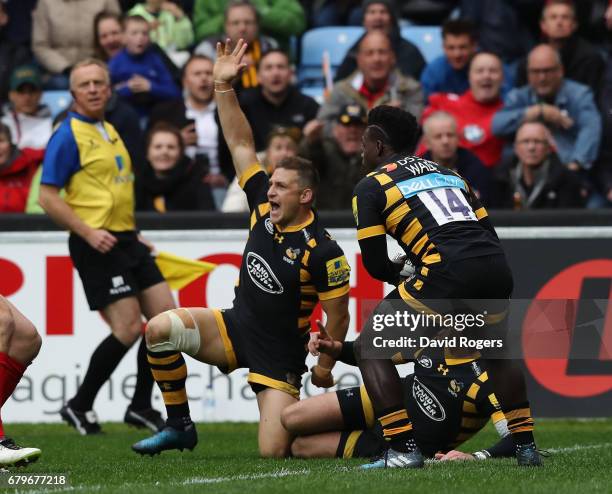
255, 476
578, 447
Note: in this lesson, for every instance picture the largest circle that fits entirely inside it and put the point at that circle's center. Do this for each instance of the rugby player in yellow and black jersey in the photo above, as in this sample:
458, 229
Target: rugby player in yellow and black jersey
439, 223
449, 400
289, 264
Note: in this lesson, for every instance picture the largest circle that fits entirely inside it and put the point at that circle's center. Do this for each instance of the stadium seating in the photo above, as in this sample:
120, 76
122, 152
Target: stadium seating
427, 38
57, 101
335, 40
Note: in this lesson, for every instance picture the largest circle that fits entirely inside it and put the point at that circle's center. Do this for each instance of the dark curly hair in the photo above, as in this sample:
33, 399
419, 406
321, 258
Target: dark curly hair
395, 127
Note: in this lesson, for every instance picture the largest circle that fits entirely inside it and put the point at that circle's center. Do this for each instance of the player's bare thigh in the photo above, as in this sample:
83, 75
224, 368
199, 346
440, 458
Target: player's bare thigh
320, 413
211, 348
274, 440
324, 445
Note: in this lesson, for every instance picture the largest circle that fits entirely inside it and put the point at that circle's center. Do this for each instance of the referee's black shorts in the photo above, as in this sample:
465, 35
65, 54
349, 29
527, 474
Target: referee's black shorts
123, 272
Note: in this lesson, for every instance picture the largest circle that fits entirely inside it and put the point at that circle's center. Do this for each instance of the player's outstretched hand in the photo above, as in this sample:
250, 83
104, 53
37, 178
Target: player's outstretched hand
454, 455
321, 342
229, 62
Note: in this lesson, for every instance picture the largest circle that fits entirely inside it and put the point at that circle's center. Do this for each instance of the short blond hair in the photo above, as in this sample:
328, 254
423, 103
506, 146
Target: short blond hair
85, 63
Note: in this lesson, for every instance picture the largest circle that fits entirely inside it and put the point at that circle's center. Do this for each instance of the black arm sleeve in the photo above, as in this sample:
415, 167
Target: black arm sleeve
376, 260
347, 354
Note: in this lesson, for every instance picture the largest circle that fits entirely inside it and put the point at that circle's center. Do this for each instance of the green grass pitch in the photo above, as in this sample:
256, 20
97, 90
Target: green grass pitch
226, 461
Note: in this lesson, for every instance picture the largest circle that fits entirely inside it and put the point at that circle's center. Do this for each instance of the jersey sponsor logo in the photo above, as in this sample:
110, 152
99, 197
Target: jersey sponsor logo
476, 368
269, 226
474, 133
261, 274
306, 235
413, 186
427, 401
338, 271
425, 362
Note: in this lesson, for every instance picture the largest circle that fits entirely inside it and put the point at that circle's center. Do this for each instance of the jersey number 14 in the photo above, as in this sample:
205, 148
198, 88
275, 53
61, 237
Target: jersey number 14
447, 205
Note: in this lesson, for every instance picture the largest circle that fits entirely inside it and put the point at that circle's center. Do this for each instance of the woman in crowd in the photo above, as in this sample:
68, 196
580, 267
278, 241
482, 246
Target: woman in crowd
170, 181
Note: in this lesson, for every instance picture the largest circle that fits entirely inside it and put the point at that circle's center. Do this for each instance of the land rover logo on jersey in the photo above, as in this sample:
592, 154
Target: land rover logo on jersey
261, 274
269, 226
427, 401
425, 362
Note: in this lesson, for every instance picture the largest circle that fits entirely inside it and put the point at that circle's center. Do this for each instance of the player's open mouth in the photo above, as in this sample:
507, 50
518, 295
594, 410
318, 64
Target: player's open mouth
274, 206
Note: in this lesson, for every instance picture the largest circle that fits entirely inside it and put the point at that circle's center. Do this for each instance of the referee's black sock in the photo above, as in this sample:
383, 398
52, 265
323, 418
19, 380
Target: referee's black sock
144, 380
104, 361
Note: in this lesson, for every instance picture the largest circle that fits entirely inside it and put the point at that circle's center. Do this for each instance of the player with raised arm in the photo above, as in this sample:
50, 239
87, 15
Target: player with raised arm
289, 264
446, 234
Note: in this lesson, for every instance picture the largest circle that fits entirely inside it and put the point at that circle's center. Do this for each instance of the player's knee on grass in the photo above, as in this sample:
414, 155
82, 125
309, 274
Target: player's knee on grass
274, 448
301, 447
175, 331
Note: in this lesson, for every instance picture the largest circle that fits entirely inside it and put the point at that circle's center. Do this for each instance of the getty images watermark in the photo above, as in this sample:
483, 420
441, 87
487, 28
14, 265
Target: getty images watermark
576, 330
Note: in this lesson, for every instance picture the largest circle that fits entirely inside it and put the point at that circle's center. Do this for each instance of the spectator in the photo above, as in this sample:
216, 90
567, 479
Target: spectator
338, 158
535, 178
565, 106
334, 13
170, 28
276, 101
62, 35
582, 62
474, 109
380, 15
138, 73
240, 21
279, 19
197, 117
442, 140
109, 40
282, 143
170, 180
17, 167
376, 82
108, 35
29, 121
449, 72
12, 53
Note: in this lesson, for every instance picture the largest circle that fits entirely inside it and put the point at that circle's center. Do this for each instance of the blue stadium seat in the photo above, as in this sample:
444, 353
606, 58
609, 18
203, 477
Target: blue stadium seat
57, 101
335, 40
428, 39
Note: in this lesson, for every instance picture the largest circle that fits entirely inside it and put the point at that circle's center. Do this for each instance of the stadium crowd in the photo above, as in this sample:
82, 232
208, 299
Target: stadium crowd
518, 101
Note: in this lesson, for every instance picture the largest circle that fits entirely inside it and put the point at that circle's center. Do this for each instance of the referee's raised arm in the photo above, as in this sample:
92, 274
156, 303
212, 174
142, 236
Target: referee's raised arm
236, 128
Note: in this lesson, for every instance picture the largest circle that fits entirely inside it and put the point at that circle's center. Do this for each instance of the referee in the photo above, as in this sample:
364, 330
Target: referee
87, 158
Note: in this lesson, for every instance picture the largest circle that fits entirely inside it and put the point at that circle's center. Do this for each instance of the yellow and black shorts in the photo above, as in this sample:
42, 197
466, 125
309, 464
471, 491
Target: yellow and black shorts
360, 444
270, 364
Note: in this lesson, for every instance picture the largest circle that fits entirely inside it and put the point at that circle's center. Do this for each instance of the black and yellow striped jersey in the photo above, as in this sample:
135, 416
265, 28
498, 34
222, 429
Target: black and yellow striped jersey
285, 272
428, 209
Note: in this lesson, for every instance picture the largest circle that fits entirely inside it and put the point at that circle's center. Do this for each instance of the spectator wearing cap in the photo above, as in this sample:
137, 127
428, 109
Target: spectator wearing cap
338, 157
30, 122
566, 107
441, 138
381, 15
62, 35
582, 62
535, 178
377, 81
282, 143
276, 101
